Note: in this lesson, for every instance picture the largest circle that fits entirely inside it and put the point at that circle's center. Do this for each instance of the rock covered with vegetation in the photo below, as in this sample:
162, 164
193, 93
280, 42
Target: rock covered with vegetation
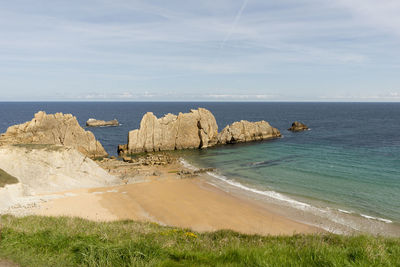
57, 129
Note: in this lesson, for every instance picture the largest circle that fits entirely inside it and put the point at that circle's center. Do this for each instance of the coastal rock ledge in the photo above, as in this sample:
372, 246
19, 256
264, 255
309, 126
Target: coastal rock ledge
196, 129
55, 129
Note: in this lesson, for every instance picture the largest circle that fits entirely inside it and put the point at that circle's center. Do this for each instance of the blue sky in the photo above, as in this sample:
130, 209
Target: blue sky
216, 50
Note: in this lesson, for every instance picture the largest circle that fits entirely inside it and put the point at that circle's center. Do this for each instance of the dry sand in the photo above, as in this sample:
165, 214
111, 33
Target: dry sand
170, 200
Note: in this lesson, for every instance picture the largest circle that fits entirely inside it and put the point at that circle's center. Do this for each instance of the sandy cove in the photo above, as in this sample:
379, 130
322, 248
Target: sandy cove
170, 200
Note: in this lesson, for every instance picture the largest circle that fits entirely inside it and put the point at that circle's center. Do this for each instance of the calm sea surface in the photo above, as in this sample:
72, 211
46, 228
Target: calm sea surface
349, 160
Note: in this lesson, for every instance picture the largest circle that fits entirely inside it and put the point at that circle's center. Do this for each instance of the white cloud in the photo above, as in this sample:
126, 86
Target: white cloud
380, 14
176, 46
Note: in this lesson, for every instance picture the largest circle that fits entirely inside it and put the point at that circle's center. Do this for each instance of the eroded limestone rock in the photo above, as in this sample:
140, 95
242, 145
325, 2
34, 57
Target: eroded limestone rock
196, 129
245, 131
56, 129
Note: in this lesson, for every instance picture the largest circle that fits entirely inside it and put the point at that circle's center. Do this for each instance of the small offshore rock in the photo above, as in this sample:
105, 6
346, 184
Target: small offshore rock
298, 127
100, 123
245, 131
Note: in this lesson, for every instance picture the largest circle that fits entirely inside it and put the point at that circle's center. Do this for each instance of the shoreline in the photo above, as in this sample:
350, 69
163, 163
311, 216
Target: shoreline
334, 220
171, 191
168, 199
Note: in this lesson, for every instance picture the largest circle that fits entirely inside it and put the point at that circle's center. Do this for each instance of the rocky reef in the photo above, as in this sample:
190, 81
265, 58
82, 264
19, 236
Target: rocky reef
100, 123
298, 127
196, 129
55, 129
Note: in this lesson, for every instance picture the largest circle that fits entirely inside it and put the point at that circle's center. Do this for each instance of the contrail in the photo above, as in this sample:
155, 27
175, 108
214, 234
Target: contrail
237, 18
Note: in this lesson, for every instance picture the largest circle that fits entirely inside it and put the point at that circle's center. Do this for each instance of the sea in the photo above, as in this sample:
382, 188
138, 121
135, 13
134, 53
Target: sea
342, 175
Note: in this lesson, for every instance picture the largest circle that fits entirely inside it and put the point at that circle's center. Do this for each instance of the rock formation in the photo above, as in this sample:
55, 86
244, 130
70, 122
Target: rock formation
245, 131
42, 169
298, 127
98, 123
196, 129
58, 129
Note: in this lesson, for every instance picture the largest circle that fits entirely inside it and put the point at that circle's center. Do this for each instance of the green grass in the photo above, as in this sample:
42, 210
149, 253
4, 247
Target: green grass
6, 178
47, 241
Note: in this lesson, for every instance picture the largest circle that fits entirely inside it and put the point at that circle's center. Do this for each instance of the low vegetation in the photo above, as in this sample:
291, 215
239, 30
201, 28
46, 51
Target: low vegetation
47, 241
6, 178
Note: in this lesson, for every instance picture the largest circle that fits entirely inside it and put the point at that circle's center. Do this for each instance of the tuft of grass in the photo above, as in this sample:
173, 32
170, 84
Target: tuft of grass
63, 241
98, 158
6, 178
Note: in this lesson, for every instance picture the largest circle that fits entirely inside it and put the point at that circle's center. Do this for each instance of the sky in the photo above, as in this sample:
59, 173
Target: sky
208, 50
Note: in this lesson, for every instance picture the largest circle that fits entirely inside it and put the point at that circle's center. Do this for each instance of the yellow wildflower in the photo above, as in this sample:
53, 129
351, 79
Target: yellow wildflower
190, 234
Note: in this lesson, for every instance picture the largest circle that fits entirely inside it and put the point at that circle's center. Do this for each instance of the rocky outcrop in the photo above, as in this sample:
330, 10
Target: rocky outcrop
151, 159
186, 173
42, 169
245, 131
298, 127
100, 123
58, 129
196, 129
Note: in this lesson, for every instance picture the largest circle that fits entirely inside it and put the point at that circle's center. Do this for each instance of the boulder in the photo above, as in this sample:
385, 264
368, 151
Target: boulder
245, 131
196, 129
100, 123
298, 127
56, 129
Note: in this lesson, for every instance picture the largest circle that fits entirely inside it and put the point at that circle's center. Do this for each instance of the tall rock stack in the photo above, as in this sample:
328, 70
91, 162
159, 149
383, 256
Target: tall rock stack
196, 129
58, 129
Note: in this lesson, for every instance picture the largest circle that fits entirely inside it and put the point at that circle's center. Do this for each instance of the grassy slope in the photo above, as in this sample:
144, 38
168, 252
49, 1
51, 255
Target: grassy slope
5, 179
45, 241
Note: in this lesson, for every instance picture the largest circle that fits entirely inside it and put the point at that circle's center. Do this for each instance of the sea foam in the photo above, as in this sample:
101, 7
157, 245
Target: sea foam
327, 212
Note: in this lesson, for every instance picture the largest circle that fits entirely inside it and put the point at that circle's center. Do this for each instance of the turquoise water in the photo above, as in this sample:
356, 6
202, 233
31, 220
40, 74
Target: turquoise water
348, 161
340, 178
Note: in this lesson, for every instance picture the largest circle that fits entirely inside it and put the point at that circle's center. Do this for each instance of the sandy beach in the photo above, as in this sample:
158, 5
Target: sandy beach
170, 200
